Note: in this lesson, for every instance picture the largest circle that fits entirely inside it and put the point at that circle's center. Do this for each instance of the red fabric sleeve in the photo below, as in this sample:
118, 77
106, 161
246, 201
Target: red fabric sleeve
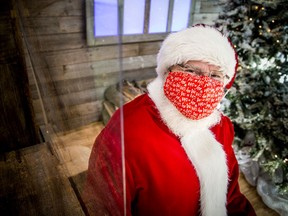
237, 203
103, 193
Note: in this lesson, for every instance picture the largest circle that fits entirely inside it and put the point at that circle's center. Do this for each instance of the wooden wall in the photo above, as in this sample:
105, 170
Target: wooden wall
71, 76
16, 116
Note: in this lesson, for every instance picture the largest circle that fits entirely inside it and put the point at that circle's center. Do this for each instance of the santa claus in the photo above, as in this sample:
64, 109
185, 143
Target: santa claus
169, 152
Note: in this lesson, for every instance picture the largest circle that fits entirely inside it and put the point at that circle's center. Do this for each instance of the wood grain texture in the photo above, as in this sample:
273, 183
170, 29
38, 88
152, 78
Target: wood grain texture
33, 182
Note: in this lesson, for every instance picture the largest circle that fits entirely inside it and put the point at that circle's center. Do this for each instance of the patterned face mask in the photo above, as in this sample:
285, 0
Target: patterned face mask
196, 97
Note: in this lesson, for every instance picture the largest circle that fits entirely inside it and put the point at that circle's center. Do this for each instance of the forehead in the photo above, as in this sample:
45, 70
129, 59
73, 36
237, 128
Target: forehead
202, 64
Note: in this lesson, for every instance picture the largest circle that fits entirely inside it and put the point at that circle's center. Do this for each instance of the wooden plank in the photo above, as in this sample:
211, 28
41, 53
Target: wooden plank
90, 207
69, 86
17, 120
74, 109
95, 83
82, 71
57, 114
34, 183
102, 68
76, 56
54, 8
93, 108
137, 38
149, 48
55, 42
39, 119
83, 120
81, 105
73, 121
77, 112
54, 25
47, 132
79, 91
73, 98
81, 136
74, 146
77, 85
78, 183
86, 55
197, 6
66, 87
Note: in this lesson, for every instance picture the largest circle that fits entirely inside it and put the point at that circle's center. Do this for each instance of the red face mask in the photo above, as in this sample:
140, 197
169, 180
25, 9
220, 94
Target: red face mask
196, 97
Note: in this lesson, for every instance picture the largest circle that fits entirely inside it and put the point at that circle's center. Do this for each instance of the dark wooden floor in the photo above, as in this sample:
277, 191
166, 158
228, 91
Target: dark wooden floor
34, 182
47, 179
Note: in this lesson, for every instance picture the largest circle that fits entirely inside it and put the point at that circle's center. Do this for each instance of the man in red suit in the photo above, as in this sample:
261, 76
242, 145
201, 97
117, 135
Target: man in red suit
169, 152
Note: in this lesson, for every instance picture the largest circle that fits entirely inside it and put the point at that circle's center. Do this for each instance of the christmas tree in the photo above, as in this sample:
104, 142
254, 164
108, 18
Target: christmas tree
258, 101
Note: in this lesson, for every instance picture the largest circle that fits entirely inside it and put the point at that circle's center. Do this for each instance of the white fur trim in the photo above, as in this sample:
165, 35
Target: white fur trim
209, 160
203, 43
205, 153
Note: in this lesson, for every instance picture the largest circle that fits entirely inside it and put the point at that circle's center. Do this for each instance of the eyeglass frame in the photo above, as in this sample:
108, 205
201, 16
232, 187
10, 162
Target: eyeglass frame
188, 68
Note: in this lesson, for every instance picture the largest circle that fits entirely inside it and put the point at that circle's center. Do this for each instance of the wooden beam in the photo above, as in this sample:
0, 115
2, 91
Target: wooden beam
170, 16
147, 16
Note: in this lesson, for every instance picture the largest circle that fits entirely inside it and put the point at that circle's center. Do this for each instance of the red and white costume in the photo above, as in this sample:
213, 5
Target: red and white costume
172, 165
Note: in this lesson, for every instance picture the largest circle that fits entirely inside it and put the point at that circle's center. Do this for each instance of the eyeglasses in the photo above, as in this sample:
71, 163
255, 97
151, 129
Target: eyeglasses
214, 74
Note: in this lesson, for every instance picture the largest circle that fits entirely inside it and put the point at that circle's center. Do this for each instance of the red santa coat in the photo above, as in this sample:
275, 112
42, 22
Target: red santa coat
160, 178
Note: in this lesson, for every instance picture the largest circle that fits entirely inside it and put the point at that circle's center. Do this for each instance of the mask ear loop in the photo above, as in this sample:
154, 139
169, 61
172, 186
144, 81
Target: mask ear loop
226, 92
